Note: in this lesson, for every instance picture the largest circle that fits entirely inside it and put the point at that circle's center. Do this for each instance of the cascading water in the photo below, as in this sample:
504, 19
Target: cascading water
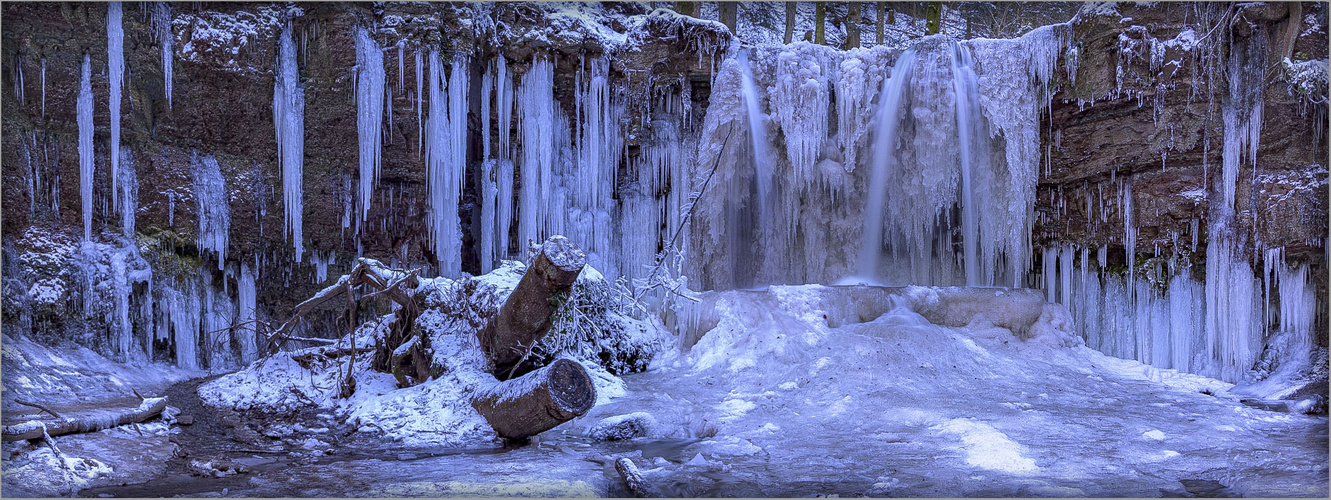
885, 141
973, 155
757, 122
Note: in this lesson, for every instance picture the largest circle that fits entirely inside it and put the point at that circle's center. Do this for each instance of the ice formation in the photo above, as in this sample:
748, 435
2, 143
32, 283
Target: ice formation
289, 122
161, 21
213, 205
115, 48
369, 115
246, 328
86, 160
445, 160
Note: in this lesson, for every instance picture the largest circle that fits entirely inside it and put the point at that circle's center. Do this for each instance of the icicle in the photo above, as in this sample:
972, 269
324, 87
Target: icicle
445, 159
536, 116
489, 189
43, 87
289, 121
369, 115
129, 192
115, 48
161, 20
401, 78
18, 78
420, 97
85, 144
799, 104
213, 206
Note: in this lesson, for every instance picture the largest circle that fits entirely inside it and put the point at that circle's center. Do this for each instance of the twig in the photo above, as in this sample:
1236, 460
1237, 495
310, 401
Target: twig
39, 407
136, 394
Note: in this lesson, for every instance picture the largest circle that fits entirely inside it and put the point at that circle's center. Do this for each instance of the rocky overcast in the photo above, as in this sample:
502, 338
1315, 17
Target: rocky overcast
401, 249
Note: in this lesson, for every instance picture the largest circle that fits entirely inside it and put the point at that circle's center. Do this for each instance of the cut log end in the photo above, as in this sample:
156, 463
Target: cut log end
564, 254
571, 388
538, 401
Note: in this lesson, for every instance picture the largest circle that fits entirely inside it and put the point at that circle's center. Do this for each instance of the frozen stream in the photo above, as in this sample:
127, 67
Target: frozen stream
772, 401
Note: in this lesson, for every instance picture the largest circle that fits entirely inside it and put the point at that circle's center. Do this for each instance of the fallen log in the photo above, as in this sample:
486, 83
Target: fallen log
639, 486
527, 314
538, 401
32, 429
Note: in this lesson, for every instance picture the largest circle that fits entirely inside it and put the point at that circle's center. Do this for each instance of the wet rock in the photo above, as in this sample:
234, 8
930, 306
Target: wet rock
185, 420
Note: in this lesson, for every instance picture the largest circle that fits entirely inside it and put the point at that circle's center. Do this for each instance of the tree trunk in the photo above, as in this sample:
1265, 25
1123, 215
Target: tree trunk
882, 10
853, 26
790, 22
538, 401
729, 13
934, 15
687, 8
527, 314
820, 23
32, 429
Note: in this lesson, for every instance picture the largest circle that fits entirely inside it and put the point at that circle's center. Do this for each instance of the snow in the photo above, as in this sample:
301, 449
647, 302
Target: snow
1011, 416
986, 447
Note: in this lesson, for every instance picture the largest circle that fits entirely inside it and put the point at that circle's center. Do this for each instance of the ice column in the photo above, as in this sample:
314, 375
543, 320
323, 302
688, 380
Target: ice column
369, 114
289, 122
85, 144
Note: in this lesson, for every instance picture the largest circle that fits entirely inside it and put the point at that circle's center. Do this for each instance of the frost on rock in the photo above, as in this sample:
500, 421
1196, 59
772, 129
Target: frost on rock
620, 427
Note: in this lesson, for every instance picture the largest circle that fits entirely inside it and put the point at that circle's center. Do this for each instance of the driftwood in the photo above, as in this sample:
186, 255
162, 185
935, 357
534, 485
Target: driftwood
33, 429
538, 401
527, 314
639, 486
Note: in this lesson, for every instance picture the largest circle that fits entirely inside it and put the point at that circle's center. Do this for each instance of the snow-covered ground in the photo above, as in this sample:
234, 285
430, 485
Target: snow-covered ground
787, 391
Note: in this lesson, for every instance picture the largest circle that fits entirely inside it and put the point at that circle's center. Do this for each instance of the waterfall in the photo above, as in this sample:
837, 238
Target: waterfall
757, 121
884, 147
973, 156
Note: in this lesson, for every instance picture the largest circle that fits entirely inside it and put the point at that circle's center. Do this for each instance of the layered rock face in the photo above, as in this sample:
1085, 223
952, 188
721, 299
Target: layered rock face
502, 124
